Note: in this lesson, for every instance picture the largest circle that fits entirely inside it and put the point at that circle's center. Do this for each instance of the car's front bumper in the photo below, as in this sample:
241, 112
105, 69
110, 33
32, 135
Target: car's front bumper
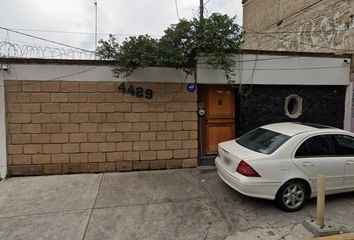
249, 186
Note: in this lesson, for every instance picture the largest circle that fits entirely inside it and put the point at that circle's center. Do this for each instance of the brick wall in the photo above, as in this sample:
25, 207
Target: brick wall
72, 127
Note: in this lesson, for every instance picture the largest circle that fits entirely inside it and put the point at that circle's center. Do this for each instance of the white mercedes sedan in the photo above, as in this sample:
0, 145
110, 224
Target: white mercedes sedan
281, 162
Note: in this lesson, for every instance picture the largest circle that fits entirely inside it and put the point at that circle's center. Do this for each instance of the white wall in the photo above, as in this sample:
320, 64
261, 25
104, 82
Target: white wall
348, 119
53, 72
3, 149
281, 70
250, 69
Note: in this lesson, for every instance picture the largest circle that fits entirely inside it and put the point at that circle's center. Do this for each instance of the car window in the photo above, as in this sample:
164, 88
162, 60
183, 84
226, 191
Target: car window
303, 151
316, 146
262, 140
345, 144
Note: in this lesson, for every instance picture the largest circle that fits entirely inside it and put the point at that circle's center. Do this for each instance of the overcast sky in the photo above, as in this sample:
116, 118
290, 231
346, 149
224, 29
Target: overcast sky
121, 17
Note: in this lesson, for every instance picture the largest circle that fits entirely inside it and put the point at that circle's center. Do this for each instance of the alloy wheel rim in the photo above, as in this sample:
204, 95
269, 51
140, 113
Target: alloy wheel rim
293, 196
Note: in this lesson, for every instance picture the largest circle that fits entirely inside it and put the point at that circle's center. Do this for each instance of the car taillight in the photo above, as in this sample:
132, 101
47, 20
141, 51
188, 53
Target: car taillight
246, 170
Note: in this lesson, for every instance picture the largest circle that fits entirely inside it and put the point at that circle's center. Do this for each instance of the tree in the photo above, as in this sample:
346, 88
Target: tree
211, 39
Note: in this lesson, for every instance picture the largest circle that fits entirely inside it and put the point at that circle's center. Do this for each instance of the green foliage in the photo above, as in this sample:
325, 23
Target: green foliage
219, 35
211, 39
135, 52
108, 49
178, 46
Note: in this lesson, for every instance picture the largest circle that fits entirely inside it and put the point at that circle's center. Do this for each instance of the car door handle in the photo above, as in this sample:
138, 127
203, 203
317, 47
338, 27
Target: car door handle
349, 162
307, 164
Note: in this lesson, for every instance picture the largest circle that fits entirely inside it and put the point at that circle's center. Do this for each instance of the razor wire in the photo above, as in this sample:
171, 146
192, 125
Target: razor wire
15, 50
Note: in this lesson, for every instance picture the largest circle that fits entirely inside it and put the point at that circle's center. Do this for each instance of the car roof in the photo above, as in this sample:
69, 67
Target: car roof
293, 128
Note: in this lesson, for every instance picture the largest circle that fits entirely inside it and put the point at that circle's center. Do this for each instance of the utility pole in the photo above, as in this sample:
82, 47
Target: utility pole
95, 3
201, 10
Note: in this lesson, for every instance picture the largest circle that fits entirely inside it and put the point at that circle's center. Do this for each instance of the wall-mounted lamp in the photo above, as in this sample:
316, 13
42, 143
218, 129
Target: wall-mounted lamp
4, 68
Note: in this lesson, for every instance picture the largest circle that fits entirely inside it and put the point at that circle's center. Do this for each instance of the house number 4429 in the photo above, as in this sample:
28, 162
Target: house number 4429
135, 91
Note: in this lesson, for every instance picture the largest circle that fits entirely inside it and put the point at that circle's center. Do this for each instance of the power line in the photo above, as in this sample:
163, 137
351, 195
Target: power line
265, 59
53, 79
194, 12
44, 39
309, 7
289, 32
28, 44
287, 69
16, 41
206, 11
177, 12
55, 31
73, 74
206, 2
78, 32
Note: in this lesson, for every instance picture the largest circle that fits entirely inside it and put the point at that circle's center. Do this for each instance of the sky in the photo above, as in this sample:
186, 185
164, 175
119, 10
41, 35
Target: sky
73, 21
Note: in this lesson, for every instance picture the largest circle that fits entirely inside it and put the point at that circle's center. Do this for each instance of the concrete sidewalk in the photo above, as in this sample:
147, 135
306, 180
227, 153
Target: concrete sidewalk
173, 204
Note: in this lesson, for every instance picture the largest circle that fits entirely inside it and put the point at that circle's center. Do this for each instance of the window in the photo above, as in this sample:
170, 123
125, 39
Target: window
345, 144
302, 151
315, 147
293, 106
262, 140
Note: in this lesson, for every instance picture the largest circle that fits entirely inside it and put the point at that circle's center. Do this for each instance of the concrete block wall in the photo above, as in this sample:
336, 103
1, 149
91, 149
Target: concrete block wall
311, 25
56, 127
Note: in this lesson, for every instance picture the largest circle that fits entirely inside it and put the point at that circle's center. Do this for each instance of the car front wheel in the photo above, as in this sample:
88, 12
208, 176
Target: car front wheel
292, 196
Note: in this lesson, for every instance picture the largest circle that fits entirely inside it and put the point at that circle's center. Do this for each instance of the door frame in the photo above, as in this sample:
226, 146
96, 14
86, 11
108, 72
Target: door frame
202, 131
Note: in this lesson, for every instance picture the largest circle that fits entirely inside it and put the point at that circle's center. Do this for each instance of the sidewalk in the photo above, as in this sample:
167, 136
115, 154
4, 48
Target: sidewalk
173, 204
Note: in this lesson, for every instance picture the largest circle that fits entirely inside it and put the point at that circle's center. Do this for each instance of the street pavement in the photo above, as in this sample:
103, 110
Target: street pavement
170, 204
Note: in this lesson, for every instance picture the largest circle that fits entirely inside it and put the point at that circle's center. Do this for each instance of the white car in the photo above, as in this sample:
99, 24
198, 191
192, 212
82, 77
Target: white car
281, 162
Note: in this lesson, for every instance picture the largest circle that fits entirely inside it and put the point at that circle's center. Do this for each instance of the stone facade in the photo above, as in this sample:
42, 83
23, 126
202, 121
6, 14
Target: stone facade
56, 127
321, 104
299, 25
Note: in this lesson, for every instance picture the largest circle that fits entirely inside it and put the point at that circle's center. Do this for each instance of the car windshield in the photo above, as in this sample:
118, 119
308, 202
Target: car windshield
262, 140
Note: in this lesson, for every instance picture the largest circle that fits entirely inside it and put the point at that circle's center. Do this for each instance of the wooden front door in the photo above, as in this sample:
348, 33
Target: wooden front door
220, 116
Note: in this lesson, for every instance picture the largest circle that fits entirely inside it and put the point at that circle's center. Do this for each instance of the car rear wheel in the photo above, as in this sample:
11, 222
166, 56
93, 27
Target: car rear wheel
292, 196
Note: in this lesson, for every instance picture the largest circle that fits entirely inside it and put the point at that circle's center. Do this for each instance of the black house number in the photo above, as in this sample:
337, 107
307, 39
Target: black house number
135, 91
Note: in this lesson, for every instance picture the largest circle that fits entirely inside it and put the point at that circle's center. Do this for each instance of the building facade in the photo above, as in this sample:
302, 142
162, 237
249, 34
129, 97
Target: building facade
269, 87
299, 25
65, 116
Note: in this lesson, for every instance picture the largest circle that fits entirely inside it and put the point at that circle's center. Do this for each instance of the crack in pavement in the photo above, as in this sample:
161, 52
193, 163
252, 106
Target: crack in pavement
93, 206
218, 208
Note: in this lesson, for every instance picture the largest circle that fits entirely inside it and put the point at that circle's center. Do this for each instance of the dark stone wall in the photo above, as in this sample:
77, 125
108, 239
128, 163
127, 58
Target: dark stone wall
265, 104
